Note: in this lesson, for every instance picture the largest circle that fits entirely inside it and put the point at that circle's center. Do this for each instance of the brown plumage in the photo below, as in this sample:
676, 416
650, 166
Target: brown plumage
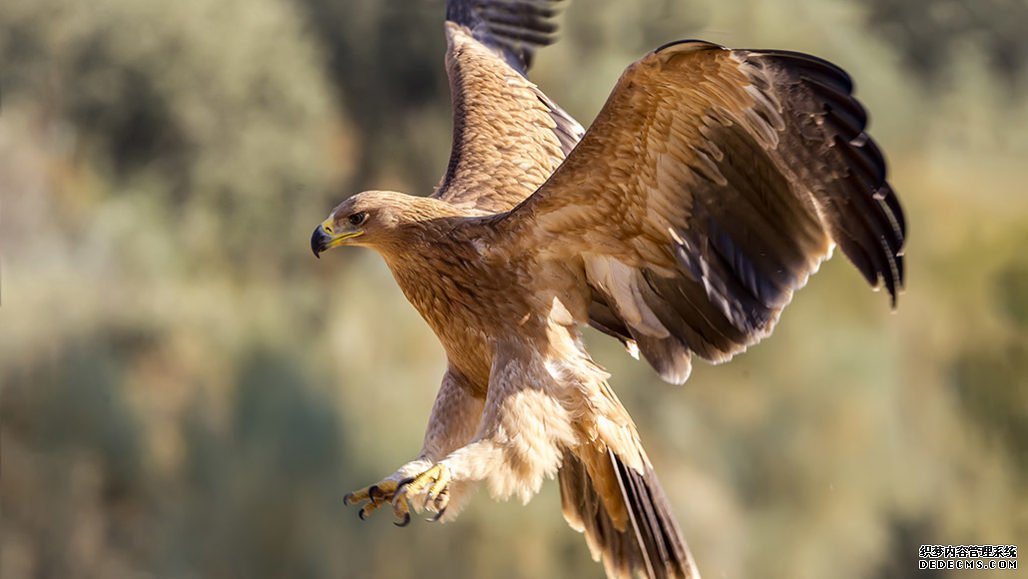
708, 189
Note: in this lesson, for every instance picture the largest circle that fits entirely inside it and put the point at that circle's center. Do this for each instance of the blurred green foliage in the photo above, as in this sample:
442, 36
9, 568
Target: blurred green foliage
929, 33
186, 392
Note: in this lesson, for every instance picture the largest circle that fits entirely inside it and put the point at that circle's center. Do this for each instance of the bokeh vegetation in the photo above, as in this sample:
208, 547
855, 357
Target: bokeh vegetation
186, 392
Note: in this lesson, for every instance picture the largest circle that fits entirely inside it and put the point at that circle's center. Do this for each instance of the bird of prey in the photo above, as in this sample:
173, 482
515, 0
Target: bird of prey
710, 186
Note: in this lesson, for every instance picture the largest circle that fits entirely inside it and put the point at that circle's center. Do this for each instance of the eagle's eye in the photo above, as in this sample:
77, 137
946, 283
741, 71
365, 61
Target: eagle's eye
357, 218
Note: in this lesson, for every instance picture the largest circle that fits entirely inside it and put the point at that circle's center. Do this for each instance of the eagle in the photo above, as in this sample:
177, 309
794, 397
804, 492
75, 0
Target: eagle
710, 186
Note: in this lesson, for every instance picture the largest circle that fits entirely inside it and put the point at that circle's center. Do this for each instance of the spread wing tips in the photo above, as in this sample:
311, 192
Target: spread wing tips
873, 215
513, 27
864, 213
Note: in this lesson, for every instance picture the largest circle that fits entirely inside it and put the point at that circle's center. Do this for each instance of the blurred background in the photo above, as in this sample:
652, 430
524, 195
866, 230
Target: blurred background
186, 392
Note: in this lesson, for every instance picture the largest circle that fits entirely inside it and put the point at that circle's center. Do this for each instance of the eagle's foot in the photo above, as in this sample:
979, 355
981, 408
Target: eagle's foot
377, 495
426, 491
433, 484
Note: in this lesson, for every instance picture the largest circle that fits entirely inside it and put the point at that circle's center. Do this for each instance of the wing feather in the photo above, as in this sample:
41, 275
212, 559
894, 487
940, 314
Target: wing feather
508, 136
717, 180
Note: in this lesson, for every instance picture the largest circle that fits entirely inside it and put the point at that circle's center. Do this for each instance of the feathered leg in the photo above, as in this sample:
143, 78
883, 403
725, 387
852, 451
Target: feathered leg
520, 440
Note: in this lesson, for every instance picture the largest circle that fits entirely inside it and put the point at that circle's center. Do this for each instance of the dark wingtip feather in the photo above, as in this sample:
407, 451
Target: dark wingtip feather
870, 226
514, 27
888, 198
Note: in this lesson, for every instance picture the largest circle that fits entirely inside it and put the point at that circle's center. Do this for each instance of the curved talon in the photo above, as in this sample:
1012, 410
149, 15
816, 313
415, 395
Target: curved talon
369, 508
400, 510
374, 492
376, 495
435, 518
442, 500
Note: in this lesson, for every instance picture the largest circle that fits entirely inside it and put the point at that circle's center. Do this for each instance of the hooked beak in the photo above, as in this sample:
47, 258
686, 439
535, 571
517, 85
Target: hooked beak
320, 241
324, 238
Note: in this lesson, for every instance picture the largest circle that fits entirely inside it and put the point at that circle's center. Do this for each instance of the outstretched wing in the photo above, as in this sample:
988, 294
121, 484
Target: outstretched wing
508, 137
710, 186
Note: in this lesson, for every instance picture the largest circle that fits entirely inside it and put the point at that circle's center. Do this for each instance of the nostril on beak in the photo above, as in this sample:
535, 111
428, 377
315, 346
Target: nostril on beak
327, 227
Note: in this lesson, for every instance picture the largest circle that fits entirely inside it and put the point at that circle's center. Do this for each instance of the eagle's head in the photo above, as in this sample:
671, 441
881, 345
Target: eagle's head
374, 219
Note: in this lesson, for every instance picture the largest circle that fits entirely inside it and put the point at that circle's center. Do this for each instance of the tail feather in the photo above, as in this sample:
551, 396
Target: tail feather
643, 538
